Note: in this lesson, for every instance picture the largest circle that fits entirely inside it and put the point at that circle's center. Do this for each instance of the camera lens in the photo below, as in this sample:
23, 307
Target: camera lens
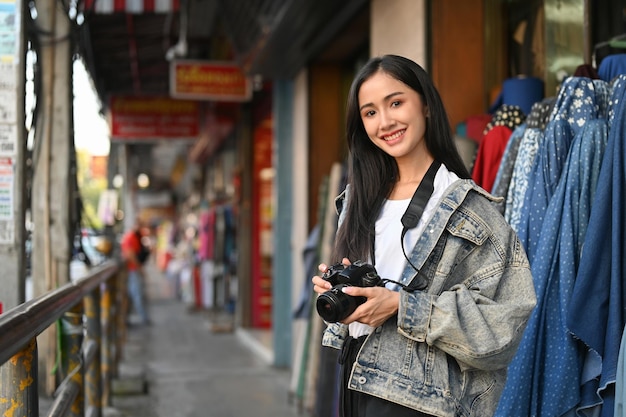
334, 305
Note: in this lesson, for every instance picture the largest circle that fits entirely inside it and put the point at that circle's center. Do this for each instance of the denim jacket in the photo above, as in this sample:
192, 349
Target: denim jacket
446, 351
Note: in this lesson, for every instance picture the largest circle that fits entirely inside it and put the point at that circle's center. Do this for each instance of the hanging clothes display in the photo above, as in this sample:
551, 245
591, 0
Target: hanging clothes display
494, 142
206, 243
206, 232
533, 136
230, 258
566, 364
548, 354
537, 120
230, 234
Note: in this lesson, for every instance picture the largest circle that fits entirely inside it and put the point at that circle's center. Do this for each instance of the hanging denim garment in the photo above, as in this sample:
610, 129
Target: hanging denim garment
566, 222
521, 175
596, 311
580, 99
543, 377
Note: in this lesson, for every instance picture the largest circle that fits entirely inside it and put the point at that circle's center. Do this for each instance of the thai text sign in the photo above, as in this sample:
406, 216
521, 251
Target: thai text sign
153, 118
209, 80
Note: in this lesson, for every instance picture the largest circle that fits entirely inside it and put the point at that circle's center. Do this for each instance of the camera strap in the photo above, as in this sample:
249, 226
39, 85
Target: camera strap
413, 214
420, 198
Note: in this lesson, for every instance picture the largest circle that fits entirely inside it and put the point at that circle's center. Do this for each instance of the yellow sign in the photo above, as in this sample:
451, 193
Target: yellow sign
209, 80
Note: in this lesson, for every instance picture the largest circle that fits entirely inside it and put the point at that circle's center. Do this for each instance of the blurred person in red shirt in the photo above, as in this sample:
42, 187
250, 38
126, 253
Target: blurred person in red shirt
135, 253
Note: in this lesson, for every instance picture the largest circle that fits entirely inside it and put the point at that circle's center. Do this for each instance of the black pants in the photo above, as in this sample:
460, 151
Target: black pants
357, 404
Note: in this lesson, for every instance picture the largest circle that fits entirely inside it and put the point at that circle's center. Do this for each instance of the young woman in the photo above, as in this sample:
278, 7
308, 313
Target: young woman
436, 339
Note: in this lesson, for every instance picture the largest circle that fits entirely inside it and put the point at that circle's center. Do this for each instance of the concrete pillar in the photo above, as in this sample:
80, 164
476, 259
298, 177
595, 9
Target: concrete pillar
399, 27
51, 192
283, 256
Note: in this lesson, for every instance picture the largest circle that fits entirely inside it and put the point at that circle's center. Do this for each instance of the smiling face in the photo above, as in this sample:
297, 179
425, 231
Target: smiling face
394, 116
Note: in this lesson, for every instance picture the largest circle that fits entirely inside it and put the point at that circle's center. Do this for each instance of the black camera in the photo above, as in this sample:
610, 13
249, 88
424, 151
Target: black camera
334, 305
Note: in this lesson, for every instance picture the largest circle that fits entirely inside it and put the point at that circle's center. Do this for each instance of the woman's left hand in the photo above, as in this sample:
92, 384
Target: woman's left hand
381, 304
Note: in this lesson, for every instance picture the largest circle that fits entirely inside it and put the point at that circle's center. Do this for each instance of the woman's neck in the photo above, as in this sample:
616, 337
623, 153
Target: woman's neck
411, 172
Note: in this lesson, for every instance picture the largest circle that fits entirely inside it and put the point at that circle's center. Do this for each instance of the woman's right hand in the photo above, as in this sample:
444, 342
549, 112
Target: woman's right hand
320, 285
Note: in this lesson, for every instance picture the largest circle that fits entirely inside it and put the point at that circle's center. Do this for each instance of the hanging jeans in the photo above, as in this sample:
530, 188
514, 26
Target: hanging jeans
135, 292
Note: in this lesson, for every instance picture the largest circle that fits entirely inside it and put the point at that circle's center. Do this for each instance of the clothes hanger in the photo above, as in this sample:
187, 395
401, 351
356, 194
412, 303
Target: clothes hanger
618, 42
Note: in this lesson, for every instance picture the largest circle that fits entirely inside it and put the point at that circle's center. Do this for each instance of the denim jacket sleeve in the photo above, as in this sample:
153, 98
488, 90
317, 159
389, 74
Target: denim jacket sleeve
480, 292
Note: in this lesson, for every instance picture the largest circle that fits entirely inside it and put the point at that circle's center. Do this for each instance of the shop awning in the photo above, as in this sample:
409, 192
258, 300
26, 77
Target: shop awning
127, 43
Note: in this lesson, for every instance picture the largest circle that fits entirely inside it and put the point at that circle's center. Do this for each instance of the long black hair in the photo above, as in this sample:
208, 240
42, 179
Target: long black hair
371, 172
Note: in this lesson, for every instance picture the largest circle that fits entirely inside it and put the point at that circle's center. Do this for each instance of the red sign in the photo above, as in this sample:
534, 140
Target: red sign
153, 118
205, 80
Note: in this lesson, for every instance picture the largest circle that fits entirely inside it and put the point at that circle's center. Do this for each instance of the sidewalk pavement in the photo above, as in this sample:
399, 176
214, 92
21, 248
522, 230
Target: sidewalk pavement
194, 364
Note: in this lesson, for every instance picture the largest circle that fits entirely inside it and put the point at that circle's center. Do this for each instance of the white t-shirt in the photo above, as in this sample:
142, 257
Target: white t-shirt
390, 261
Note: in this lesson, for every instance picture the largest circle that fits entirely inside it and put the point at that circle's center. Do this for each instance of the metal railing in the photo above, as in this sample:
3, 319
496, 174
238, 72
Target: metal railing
91, 328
